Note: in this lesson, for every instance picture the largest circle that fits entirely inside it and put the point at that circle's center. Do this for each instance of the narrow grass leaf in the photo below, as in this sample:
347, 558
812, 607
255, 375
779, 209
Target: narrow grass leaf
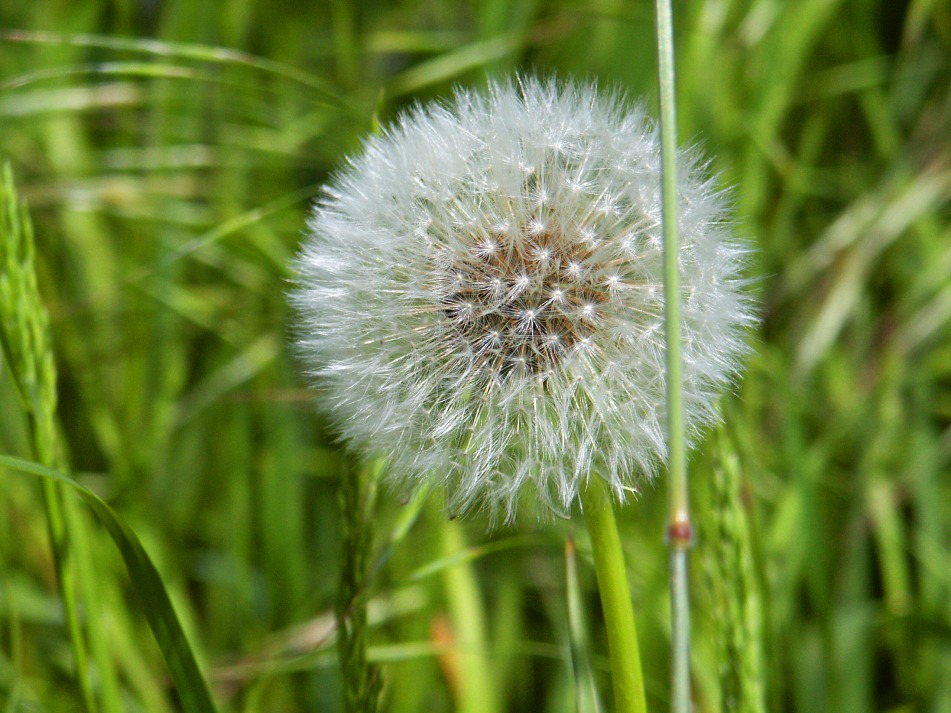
182, 51
586, 691
148, 586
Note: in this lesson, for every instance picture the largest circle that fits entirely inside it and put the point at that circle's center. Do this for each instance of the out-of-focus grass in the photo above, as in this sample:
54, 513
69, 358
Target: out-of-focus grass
168, 152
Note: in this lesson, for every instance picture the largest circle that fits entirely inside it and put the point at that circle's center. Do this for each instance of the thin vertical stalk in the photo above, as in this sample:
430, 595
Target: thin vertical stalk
26, 347
733, 584
616, 603
679, 527
361, 681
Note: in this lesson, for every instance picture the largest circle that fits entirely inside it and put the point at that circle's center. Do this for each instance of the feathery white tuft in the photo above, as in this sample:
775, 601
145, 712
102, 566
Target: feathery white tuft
481, 297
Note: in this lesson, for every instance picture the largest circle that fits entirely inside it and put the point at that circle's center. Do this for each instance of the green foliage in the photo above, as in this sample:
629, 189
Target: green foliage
169, 152
189, 683
24, 327
25, 340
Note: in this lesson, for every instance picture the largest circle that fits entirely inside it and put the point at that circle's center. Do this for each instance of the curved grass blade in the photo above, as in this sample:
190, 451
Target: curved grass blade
147, 584
188, 51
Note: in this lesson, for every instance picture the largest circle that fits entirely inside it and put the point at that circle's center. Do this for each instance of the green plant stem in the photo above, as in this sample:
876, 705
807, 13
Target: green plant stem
615, 598
361, 681
26, 348
733, 585
679, 528
680, 631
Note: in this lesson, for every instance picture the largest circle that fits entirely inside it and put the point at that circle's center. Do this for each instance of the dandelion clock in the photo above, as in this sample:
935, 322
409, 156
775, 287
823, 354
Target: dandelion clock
480, 297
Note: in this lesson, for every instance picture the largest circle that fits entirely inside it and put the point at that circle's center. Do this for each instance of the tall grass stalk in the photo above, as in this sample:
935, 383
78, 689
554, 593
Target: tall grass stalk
361, 681
679, 527
733, 584
27, 349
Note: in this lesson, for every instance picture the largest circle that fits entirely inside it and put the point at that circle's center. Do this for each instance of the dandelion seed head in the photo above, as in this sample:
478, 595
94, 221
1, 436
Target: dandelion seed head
480, 297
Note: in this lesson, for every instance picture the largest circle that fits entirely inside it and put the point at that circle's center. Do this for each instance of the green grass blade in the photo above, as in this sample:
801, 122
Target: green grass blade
476, 692
586, 691
148, 585
186, 51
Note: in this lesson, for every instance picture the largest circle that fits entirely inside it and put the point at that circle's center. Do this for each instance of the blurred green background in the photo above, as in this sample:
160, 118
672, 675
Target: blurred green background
169, 151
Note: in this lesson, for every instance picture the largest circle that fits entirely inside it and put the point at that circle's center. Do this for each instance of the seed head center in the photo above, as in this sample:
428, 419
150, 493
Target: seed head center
524, 302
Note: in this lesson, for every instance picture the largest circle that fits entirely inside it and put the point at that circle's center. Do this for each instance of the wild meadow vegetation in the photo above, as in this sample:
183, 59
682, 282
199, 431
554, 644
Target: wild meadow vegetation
168, 154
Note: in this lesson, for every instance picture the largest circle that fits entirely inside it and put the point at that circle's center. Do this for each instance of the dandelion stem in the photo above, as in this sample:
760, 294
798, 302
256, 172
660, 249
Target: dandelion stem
679, 528
615, 598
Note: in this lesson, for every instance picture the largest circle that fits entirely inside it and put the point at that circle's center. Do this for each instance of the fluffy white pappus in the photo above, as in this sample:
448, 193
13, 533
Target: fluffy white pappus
480, 297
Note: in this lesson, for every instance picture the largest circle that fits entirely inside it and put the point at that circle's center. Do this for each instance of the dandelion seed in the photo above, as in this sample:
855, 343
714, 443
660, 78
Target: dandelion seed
483, 306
